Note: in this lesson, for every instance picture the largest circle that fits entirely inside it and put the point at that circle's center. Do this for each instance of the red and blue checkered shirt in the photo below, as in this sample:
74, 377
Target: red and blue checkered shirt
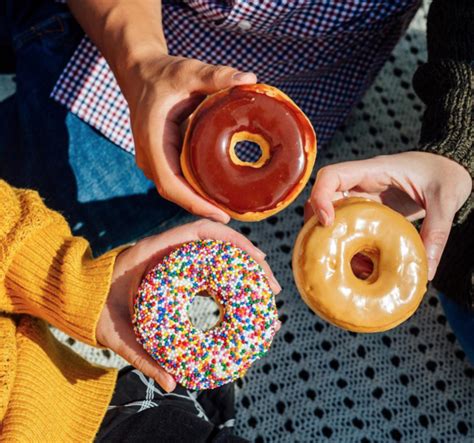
322, 53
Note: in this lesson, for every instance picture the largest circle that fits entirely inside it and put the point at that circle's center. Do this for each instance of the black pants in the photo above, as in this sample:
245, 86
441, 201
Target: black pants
140, 411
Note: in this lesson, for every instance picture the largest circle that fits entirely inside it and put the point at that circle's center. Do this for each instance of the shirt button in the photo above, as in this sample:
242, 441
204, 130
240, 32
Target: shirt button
245, 25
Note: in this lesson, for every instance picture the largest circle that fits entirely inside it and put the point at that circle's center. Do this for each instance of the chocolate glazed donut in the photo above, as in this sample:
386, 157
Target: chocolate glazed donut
265, 116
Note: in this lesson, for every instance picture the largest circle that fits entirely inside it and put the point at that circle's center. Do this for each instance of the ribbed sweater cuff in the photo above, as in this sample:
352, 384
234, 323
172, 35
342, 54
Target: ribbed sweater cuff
55, 278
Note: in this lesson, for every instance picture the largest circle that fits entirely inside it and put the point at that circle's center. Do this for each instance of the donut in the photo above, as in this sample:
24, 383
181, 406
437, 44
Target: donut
265, 116
325, 279
205, 359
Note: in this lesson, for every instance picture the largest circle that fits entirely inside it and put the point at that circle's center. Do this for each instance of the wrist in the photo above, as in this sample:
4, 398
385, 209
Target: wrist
129, 38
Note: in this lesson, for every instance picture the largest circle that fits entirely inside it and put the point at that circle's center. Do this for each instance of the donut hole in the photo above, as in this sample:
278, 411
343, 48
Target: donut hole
204, 312
364, 265
248, 152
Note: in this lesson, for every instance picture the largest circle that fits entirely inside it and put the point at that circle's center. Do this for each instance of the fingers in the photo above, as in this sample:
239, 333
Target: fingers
173, 96
163, 159
367, 175
206, 229
434, 233
221, 232
133, 352
153, 249
272, 281
331, 179
176, 189
115, 330
209, 78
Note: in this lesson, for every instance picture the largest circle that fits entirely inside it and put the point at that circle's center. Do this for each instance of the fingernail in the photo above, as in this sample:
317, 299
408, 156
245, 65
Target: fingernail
241, 76
322, 217
170, 385
431, 268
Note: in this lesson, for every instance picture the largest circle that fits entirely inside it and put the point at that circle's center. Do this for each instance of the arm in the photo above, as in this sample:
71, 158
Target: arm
445, 84
45, 271
437, 182
161, 90
126, 32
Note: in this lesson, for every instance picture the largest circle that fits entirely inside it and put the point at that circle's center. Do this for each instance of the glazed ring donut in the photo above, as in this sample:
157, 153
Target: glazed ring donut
260, 114
205, 359
324, 277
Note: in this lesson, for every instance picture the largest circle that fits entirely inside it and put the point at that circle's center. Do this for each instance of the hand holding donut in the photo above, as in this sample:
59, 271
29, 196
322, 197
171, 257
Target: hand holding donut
261, 114
114, 329
416, 184
162, 92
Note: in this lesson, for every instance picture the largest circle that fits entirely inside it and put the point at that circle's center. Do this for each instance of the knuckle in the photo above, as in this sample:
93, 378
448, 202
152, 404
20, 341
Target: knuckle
213, 74
137, 362
177, 72
210, 74
438, 236
325, 172
194, 65
176, 66
222, 70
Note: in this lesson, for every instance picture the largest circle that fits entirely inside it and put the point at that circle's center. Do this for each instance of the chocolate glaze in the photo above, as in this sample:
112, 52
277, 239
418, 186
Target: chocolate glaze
243, 188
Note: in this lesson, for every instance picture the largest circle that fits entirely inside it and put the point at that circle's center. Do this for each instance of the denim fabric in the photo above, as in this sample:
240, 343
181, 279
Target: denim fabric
97, 186
462, 324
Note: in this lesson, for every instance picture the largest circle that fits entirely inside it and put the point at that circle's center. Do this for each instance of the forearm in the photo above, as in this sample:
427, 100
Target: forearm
126, 32
45, 272
445, 82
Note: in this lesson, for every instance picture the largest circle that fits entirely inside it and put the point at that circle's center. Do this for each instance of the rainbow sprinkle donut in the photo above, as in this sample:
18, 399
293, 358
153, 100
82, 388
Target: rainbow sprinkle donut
205, 359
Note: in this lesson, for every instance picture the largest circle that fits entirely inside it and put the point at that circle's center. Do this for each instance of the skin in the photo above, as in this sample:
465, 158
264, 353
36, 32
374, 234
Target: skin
416, 184
114, 328
161, 90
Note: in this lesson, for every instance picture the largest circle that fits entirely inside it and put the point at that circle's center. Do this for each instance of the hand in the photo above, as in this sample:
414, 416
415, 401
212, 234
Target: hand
416, 184
162, 92
114, 329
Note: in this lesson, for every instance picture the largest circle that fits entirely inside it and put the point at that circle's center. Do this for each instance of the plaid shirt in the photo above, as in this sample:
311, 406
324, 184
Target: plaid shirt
323, 54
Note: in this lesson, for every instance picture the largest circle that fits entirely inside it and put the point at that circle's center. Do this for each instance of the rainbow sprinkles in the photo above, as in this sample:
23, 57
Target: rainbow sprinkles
205, 359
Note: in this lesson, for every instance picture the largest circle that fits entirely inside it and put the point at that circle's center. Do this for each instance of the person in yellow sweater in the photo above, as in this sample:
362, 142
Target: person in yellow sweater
47, 276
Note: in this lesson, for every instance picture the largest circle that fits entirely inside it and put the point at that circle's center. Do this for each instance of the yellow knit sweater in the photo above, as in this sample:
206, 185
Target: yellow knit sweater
48, 393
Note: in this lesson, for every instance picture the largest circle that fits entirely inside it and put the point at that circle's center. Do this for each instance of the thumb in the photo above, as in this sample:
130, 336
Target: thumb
434, 233
210, 78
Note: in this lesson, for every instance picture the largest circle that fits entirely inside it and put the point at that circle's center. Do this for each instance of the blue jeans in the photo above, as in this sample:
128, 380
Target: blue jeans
92, 182
462, 324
